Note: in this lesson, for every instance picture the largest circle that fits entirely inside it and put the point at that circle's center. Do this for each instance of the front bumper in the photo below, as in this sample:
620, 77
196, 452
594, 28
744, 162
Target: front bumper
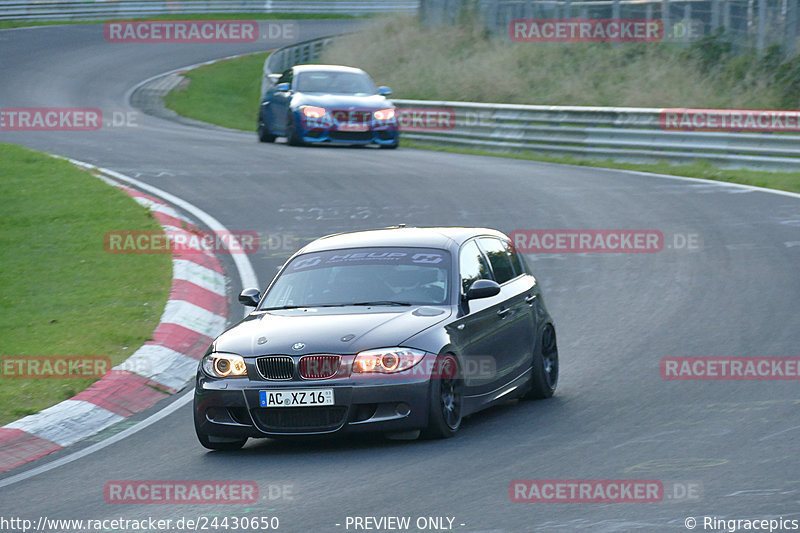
230, 408
328, 131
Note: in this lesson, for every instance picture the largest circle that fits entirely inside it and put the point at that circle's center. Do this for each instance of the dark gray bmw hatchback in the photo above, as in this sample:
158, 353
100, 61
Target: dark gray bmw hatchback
396, 330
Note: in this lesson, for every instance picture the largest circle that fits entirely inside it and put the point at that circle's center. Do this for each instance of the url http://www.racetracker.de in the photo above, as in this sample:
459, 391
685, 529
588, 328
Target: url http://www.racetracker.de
199, 523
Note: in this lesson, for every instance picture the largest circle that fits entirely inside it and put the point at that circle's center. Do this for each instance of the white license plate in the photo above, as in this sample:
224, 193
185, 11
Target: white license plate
353, 126
296, 397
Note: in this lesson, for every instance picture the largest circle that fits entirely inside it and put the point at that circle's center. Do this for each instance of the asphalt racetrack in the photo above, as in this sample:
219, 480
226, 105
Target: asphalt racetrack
725, 449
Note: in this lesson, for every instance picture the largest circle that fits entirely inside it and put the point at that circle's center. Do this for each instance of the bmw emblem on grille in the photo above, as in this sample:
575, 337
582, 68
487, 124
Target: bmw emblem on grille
298, 346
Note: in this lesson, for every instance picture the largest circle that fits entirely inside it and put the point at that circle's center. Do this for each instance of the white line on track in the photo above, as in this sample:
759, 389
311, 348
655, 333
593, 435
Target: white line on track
246, 274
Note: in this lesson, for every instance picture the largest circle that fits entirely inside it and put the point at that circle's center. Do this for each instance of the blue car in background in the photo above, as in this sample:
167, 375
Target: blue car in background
328, 104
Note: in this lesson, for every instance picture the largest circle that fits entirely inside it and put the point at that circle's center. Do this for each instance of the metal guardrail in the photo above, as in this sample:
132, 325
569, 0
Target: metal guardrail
628, 134
623, 134
67, 10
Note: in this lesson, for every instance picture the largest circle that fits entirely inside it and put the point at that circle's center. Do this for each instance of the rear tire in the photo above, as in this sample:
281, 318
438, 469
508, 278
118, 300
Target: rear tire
389, 146
263, 133
445, 399
544, 369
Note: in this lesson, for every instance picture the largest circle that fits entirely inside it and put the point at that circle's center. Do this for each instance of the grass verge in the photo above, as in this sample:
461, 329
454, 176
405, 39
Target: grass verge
61, 292
224, 93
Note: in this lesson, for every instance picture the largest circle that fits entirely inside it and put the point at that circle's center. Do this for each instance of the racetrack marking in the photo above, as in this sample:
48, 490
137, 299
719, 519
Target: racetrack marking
67, 422
193, 317
162, 365
673, 465
152, 419
198, 274
778, 433
246, 275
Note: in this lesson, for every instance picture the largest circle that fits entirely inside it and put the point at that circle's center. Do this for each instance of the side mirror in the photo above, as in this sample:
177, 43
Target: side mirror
283, 87
250, 297
383, 90
483, 288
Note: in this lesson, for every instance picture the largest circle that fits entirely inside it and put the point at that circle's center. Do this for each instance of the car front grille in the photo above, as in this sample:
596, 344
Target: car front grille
300, 419
351, 135
275, 367
319, 366
355, 116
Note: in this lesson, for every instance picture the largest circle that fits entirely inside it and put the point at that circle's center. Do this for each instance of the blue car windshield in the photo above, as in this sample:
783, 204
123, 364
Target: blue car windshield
333, 82
363, 276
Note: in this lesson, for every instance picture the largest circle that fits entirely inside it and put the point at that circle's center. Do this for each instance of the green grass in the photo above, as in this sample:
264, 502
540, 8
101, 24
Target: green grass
61, 292
225, 93
462, 62
6, 24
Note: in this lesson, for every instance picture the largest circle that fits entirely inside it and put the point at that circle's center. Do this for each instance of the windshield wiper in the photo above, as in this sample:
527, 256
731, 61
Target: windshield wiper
377, 302
382, 302
281, 307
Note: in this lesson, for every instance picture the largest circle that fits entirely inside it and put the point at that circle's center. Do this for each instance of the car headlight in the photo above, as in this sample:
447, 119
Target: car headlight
384, 114
224, 365
387, 360
311, 111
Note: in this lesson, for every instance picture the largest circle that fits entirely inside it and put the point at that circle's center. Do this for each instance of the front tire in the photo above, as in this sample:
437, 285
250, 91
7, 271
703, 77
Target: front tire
544, 369
446, 399
292, 135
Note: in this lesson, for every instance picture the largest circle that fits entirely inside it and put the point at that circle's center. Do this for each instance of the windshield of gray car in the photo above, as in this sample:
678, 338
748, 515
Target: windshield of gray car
333, 82
363, 276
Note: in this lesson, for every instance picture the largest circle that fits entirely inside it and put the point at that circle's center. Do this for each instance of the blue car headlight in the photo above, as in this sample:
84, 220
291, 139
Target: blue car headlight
384, 114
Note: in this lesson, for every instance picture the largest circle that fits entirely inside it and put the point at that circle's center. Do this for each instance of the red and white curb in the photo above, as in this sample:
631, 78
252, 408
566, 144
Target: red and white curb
195, 313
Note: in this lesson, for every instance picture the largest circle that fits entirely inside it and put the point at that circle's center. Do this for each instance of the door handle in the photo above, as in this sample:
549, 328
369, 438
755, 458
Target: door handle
530, 298
503, 312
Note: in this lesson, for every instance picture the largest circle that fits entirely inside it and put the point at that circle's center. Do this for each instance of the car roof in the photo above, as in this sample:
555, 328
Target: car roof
327, 68
420, 237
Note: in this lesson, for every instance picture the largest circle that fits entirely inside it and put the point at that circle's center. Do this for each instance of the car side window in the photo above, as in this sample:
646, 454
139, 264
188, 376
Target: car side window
471, 265
499, 257
286, 77
516, 260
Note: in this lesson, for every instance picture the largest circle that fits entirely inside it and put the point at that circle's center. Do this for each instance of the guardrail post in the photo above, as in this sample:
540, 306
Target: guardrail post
762, 24
792, 16
726, 16
714, 15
